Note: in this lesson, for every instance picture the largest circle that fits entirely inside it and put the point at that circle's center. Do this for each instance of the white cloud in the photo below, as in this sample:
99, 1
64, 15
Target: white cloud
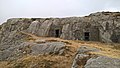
54, 8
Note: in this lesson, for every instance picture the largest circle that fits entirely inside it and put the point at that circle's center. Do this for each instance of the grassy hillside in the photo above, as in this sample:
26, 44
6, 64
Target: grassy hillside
55, 61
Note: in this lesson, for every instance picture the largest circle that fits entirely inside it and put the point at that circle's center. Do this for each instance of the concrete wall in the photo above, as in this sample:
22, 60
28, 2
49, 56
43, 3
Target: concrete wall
103, 28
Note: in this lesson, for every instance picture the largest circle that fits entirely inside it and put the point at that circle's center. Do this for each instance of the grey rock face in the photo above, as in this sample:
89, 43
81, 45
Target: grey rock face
82, 57
13, 39
103, 62
33, 28
40, 29
84, 60
103, 27
57, 48
45, 28
49, 48
10, 34
4, 55
16, 52
80, 60
85, 49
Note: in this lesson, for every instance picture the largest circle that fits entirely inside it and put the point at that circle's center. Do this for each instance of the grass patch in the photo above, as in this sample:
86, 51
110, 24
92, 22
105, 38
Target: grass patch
42, 62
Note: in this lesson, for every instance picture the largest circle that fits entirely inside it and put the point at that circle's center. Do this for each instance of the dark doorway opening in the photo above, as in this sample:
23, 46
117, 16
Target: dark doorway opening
115, 38
33, 19
57, 33
86, 36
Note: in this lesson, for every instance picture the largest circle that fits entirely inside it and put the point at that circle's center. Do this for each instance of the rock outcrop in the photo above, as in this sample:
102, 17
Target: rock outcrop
48, 48
82, 55
101, 26
10, 34
20, 37
85, 60
102, 62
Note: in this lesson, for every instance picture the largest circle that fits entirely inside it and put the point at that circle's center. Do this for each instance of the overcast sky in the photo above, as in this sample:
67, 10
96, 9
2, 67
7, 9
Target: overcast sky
54, 8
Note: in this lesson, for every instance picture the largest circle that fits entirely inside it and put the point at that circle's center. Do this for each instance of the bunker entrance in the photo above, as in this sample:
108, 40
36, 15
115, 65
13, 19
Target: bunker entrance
57, 33
87, 36
33, 19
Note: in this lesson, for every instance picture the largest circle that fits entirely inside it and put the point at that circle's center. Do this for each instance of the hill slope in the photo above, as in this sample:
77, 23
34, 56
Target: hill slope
31, 43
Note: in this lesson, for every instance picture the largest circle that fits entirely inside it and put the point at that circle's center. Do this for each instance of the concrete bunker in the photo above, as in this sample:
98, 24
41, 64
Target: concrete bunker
55, 31
91, 34
94, 33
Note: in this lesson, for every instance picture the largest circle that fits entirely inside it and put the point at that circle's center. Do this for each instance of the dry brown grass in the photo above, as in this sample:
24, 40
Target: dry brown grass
56, 61
107, 49
3, 64
42, 62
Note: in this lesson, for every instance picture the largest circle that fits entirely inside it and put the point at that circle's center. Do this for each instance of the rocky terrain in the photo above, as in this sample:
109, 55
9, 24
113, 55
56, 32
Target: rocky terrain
32, 43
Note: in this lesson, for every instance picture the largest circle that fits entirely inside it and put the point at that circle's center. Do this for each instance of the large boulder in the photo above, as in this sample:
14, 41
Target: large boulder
82, 56
44, 28
85, 60
15, 52
34, 27
102, 62
85, 49
46, 48
80, 60
49, 48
